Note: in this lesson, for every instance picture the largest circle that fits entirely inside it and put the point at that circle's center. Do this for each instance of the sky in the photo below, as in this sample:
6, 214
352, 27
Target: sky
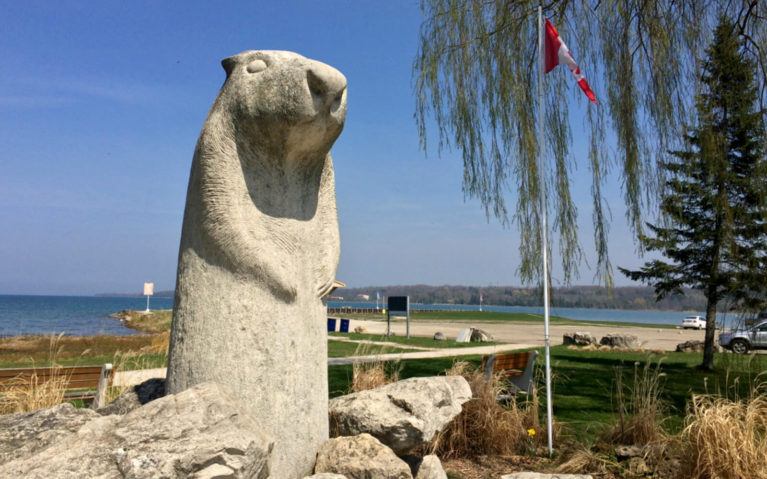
101, 104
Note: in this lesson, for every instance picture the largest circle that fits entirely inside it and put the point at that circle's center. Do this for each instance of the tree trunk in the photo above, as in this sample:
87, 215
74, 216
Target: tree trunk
708, 342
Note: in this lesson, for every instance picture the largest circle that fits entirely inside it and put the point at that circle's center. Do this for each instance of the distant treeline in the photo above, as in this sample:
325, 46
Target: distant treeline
626, 297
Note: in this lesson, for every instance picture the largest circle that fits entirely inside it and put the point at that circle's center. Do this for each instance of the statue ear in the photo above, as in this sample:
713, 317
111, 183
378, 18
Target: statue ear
229, 63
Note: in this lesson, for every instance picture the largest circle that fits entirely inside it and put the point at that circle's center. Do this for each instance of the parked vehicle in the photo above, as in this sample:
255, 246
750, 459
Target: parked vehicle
742, 340
694, 322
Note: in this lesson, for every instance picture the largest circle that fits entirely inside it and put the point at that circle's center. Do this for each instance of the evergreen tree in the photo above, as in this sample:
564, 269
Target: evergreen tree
714, 216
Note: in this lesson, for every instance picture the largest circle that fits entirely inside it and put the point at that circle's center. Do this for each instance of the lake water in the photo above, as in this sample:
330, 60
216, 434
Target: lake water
73, 315
88, 315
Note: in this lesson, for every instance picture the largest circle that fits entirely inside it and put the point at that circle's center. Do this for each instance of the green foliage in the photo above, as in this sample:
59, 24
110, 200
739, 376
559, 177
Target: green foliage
715, 205
475, 76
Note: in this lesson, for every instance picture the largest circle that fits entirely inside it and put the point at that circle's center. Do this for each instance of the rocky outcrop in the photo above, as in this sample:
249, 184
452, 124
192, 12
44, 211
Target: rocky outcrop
360, 457
430, 468
578, 338
620, 341
27, 433
135, 397
401, 415
199, 433
692, 346
480, 336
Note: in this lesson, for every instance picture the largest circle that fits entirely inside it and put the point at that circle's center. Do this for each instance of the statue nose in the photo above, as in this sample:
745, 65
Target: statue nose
326, 84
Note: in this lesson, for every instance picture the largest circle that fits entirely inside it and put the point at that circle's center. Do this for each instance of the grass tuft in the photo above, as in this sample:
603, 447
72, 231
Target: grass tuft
373, 374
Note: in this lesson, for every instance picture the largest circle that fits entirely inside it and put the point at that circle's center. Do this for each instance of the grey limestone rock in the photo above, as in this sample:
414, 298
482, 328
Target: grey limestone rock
692, 346
173, 437
361, 457
25, 434
620, 341
480, 336
430, 468
401, 415
439, 336
135, 397
326, 475
260, 247
579, 338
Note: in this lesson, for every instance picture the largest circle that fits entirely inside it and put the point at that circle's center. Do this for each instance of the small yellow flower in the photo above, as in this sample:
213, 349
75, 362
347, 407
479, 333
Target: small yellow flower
531, 432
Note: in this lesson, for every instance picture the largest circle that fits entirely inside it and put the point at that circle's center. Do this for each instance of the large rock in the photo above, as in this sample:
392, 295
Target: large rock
199, 433
579, 338
430, 468
692, 346
620, 341
259, 249
135, 397
361, 457
27, 433
401, 415
480, 336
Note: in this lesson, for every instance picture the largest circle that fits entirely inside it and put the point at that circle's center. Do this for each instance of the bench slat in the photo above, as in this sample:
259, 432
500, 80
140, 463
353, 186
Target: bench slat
44, 372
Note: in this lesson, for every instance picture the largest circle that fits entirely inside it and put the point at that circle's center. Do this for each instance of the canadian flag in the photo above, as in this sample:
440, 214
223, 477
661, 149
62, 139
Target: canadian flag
556, 53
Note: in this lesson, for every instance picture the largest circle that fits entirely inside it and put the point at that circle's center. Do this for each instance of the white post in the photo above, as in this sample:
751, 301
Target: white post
147, 303
542, 179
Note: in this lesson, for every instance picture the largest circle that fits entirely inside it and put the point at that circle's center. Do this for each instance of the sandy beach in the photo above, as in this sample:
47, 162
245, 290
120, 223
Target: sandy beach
532, 333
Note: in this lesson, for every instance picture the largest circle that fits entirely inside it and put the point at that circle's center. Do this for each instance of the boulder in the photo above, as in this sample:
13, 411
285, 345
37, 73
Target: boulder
360, 457
402, 415
430, 468
620, 341
27, 433
692, 346
135, 397
326, 475
579, 338
480, 336
439, 337
360, 330
199, 433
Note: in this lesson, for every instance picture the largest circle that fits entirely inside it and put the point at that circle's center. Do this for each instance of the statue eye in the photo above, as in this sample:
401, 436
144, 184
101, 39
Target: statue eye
256, 66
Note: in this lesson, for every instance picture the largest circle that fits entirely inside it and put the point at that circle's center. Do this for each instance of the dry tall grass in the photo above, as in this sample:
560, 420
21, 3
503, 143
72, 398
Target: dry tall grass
370, 375
640, 407
726, 438
31, 392
485, 427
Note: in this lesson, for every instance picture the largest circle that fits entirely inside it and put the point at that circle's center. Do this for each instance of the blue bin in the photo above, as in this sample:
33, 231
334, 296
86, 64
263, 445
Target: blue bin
331, 325
344, 326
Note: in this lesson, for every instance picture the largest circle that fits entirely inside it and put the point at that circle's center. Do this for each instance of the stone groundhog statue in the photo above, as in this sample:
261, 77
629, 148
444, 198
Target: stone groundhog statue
260, 247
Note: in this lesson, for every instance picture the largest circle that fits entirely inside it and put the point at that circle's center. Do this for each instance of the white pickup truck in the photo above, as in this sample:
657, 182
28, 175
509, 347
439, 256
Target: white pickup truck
742, 341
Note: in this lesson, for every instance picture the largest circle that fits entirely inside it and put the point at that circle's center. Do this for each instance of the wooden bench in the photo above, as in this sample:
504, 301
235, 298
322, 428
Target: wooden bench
80, 382
516, 368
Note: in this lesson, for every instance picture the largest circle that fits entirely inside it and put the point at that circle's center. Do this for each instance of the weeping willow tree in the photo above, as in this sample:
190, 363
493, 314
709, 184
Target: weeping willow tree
475, 77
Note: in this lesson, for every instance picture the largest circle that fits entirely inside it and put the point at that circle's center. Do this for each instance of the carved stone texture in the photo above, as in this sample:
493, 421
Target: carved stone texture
361, 457
260, 247
401, 415
199, 433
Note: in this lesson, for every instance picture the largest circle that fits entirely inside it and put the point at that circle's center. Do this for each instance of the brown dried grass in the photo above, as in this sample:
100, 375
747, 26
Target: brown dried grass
726, 438
29, 393
640, 407
485, 427
372, 374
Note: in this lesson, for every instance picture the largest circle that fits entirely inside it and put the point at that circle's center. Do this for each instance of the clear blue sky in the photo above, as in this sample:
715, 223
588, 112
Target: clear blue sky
101, 103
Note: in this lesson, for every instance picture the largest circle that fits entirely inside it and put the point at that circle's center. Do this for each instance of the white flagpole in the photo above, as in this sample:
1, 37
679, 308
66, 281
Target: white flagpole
542, 179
